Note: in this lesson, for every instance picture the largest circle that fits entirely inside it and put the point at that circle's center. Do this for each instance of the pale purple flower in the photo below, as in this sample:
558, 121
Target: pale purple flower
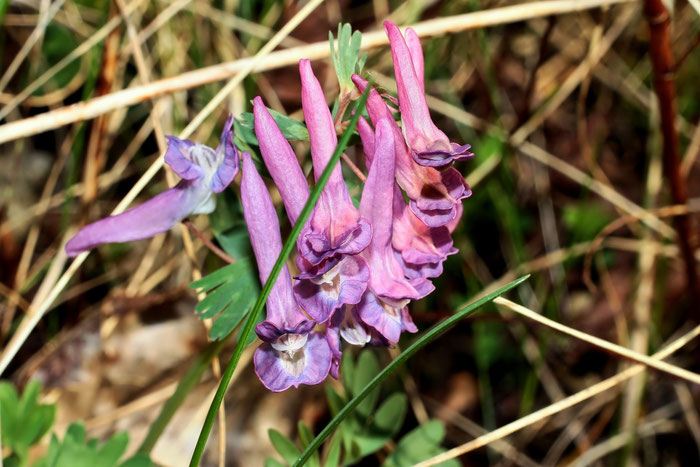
332, 274
280, 161
429, 145
383, 306
435, 194
204, 172
420, 249
291, 353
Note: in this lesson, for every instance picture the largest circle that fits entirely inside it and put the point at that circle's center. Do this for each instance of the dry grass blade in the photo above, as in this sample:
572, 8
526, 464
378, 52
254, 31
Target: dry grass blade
559, 406
103, 32
439, 26
598, 342
38, 32
41, 304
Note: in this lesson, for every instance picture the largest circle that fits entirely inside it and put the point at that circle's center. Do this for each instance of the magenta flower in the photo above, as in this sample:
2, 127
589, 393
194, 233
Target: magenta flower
420, 249
291, 353
204, 172
383, 306
435, 194
332, 273
280, 161
429, 145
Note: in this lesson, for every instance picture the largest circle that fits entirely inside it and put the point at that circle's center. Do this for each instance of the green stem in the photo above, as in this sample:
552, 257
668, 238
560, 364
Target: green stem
430, 335
251, 320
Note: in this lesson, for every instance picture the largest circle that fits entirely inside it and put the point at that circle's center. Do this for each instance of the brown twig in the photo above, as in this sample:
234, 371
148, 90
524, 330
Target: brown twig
95, 154
137, 94
662, 62
208, 243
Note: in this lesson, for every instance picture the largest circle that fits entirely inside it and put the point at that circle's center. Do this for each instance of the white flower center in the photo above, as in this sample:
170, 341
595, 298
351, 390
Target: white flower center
290, 348
207, 159
330, 282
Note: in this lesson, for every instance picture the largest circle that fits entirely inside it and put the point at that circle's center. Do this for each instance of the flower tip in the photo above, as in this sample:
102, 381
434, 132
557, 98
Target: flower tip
360, 82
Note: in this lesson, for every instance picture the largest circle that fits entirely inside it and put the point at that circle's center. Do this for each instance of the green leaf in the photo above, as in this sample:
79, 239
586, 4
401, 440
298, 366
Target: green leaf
389, 417
367, 368
283, 445
306, 436
270, 462
231, 295
24, 420
386, 423
333, 458
420, 444
138, 460
335, 401
77, 451
347, 371
427, 337
346, 58
291, 129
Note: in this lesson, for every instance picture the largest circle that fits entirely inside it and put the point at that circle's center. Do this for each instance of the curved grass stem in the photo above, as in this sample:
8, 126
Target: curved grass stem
429, 336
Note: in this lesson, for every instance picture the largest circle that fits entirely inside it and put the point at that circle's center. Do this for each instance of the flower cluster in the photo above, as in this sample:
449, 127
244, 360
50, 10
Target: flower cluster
357, 268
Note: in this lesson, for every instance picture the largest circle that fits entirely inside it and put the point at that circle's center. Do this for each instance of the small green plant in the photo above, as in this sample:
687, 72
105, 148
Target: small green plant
368, 429
24, 420
76, 450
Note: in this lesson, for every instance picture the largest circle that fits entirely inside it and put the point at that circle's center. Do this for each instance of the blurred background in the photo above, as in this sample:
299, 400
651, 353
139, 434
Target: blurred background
571, 182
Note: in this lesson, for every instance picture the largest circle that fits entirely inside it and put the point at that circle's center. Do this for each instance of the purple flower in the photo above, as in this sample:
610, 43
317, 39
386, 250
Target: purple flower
383, 306
332, 275
420, 249
435, 194
291, 353
204, 171
280, 161
429, 145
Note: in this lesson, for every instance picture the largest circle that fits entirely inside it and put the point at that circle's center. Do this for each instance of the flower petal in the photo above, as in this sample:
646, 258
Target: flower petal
265, 238
280, 161
176, 158
388, 321
278, 375
155, 216
342, 285
416, 51
319, 122
228, 169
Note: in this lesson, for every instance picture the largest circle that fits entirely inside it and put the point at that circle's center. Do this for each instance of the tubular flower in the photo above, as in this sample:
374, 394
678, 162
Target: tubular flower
280, 161
429, 145
204, 171
383, 306
291, 353
332, 275
419, 249
435, 194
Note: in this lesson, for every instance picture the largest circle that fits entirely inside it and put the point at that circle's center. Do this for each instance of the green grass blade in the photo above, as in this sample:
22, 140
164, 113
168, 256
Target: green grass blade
262, 298
187, 383
430, 335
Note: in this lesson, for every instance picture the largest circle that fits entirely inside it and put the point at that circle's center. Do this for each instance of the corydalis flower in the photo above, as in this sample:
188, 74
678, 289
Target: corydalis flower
383, 306
291, 353
435, 194
420, 249
332, 275
429, 145
204, 172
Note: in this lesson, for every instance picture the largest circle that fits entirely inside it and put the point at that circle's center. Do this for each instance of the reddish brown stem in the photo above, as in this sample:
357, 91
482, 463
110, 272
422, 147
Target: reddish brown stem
208, 243
664, 84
